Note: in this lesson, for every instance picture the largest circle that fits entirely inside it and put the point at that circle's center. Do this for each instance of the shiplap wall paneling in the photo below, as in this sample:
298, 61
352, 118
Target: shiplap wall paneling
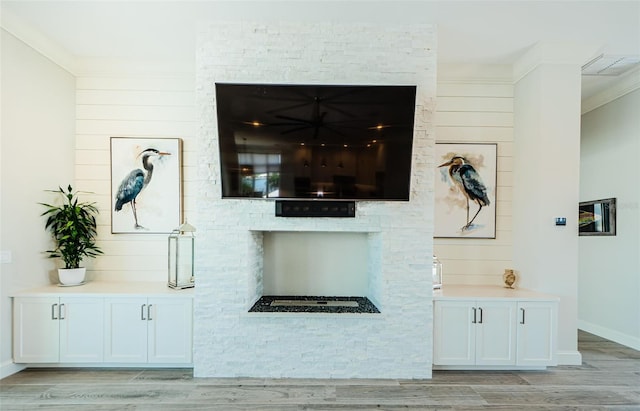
131, 106
469, 112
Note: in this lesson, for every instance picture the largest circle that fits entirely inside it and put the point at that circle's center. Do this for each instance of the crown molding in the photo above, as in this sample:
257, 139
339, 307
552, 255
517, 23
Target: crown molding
475, 73
627, 83
37, 41
87, 66
95, 66
554, 52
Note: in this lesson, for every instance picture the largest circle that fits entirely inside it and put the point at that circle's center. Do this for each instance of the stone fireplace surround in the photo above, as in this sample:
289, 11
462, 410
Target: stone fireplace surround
229, 341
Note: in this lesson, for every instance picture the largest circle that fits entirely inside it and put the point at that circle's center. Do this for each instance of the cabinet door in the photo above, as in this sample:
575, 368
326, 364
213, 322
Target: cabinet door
36, 329
537, 330
454, 333
496, 333
125, 330
81, 330
170, 327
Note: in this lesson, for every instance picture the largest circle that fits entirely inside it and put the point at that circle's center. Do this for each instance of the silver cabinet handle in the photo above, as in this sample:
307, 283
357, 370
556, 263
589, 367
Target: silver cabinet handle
142, 312
53, 311
522, 310
62, 312
149, 312
480, 309
474, 316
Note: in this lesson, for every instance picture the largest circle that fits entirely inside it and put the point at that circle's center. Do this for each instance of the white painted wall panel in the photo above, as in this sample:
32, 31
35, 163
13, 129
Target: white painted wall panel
467, 134
479, 111
37, 155
125, 105
477, 88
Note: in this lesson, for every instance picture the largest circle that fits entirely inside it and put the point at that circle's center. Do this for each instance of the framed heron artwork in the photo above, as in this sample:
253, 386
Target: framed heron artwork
146, 190
465, 190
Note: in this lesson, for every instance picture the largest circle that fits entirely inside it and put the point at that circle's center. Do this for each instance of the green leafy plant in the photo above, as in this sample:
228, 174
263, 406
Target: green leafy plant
73, 228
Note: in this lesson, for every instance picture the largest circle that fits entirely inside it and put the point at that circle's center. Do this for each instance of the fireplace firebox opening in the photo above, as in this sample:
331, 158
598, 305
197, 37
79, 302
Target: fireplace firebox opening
325, 272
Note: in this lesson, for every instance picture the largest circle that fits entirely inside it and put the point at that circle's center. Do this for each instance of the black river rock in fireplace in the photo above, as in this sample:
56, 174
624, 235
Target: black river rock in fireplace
314, 304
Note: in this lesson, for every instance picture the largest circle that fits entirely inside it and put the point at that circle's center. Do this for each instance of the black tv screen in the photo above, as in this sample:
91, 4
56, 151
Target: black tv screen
315, 141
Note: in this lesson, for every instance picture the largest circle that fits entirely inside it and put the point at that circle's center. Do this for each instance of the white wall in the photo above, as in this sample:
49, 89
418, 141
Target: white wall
475, 105
546, 176
316, 263
609, 267
141, 102
37, 154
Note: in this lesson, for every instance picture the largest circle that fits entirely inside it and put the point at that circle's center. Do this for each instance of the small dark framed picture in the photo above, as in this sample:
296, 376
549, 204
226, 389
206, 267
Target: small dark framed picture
597, 217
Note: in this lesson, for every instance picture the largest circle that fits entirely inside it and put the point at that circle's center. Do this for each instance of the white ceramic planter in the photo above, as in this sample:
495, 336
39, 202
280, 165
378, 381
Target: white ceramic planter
71, 276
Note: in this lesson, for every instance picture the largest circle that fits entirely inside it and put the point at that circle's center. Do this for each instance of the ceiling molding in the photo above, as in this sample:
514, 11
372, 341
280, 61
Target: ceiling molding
133, 67
627, 83
37, 41
86, 66
552, 52
475, 73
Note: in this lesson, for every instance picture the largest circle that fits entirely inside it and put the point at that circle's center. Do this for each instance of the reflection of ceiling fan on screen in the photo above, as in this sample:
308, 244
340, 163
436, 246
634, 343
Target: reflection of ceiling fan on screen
330, 115
315, 122
325, 112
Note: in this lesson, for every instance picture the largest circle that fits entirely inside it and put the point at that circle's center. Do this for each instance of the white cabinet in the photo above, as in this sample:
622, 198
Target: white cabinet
57, 329
537, 342
494, 332
154, 330
474, 333
110, 323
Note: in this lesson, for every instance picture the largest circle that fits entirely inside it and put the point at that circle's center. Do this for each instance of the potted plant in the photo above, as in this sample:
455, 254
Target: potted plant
73, 228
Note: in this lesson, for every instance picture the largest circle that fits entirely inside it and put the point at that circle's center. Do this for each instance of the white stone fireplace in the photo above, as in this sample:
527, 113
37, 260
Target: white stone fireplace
229, 341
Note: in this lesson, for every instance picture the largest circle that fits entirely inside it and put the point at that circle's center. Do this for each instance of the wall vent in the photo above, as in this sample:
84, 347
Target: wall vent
610, 65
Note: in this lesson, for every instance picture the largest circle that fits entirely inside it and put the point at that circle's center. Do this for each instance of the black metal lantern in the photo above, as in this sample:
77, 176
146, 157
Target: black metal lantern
181, 255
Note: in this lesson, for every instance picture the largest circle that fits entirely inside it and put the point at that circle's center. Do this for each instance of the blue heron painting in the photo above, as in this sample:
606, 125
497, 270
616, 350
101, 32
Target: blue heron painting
136, 181
469, 183
145, 179
465, 193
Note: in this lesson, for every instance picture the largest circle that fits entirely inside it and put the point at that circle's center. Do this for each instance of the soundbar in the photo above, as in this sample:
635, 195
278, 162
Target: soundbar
310, 208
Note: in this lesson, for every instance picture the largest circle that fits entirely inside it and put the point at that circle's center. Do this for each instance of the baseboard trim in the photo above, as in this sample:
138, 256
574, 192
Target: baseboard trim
569, 358
9, 368
609, 334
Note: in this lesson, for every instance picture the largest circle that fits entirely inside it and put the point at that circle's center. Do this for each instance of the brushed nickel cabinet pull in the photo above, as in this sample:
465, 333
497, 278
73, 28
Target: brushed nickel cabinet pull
522, 310
474, 316
142, 312
480, 309
53, 311
62, 311
149, 312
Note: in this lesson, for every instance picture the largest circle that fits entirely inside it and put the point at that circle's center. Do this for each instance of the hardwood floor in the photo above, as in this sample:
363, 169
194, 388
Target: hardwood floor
608, 379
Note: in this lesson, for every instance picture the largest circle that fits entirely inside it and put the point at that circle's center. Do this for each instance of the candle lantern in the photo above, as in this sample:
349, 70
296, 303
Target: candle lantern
181, 253
436, 273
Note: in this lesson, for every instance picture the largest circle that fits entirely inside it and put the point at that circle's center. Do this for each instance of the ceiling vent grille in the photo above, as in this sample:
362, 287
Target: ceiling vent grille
610, 65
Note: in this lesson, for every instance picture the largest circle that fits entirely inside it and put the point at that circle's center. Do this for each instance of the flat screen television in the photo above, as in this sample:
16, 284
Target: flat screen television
315, 141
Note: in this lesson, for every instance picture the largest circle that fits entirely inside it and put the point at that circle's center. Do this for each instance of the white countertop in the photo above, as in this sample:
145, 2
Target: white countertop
479, 292
104, 288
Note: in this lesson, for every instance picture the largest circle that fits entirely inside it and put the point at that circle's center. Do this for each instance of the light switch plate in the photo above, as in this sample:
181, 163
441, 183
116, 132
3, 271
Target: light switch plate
5, 257
561, 221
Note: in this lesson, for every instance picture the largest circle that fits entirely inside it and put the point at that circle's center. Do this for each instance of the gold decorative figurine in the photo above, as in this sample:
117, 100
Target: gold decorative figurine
509, 278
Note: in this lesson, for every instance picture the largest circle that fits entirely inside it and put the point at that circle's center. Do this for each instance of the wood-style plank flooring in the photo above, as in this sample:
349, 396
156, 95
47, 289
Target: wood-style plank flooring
608, 379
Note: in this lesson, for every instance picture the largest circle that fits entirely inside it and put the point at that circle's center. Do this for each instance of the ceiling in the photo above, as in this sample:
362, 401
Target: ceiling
476, 32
